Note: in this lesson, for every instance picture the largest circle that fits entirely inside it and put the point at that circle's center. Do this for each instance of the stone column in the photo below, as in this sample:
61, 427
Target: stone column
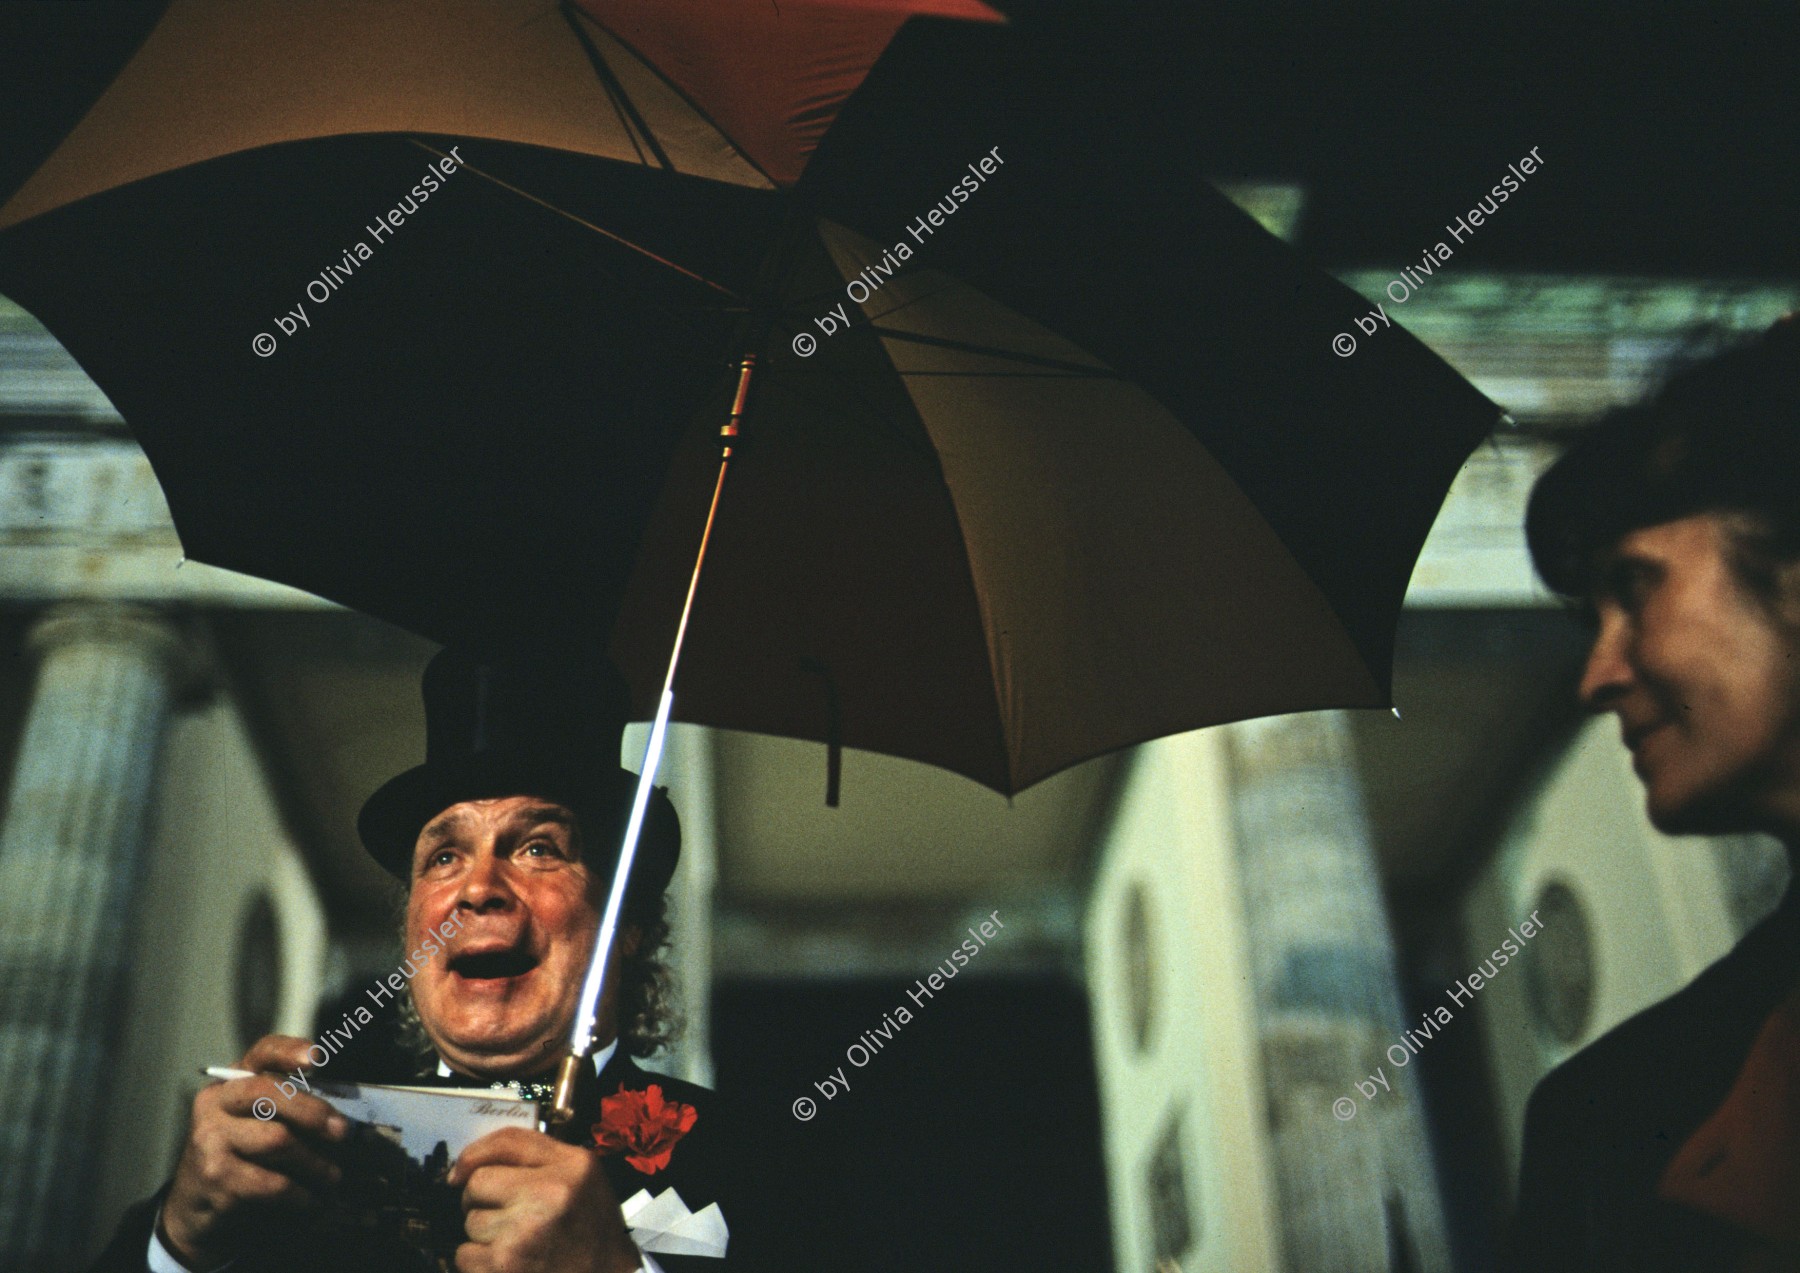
1357, 1191
691, 899
70, 854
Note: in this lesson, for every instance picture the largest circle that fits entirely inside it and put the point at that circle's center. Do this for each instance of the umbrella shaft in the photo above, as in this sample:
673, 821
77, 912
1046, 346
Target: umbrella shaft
587, 1010
727, 435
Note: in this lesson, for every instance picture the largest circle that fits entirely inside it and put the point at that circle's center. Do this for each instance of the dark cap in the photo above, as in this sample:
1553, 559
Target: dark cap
543, 719
1721, 436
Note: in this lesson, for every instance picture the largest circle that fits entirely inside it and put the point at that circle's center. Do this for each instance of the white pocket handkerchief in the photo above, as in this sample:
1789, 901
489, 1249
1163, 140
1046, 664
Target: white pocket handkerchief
663, 1225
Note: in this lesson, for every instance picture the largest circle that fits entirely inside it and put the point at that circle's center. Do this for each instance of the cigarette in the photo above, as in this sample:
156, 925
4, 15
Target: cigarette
226, 1073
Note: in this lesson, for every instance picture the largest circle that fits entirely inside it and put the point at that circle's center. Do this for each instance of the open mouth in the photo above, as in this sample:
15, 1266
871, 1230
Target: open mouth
496, 965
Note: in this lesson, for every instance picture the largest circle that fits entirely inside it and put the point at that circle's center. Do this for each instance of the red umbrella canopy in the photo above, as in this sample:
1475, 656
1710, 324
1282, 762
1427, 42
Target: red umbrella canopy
770, 76
740, 93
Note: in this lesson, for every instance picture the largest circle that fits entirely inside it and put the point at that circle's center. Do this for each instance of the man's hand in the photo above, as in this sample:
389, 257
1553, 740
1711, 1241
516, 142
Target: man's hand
237, 1166
535, 1205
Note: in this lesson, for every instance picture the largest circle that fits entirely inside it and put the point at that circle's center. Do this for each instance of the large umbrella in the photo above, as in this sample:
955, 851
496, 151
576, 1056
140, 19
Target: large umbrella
1083, 470
1047, 448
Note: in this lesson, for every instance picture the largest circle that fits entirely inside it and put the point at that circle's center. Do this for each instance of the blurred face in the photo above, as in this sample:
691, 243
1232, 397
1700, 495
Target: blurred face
507, 874
1704, 681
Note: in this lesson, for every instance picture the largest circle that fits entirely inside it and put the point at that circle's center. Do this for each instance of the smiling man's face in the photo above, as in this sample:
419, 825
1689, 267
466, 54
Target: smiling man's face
1704, 679
501, 1000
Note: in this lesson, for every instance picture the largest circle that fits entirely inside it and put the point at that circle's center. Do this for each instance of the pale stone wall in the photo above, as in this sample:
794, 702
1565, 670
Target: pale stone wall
1180, 1071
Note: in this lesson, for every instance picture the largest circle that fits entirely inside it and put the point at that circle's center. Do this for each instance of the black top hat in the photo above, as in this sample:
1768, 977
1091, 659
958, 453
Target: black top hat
543, 720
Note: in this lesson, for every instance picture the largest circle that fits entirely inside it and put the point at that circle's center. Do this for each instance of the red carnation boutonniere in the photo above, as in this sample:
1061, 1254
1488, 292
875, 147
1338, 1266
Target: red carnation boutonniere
644, 1125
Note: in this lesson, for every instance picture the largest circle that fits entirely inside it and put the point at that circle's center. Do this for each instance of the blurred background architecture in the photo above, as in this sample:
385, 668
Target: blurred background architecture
1209, 942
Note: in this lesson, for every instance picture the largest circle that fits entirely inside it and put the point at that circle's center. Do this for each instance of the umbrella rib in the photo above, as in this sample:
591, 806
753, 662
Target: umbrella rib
931, 293
586, 224
635, 123
949, 285
1007, 375
1053, 366
1050, 363
963, 346
567, 6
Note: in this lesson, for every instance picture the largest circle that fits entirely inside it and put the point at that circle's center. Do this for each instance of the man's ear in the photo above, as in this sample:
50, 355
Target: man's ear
1787, 588
630, 938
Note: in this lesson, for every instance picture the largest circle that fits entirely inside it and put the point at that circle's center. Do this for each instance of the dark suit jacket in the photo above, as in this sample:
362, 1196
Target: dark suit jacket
700, 1169
1601, 1128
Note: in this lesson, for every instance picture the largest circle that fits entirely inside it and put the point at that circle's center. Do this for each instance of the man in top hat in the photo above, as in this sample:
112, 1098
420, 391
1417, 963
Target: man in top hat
505, 839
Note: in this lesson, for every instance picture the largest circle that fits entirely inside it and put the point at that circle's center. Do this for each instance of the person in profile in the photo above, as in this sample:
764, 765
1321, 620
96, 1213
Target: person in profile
1673, 1142
505, 839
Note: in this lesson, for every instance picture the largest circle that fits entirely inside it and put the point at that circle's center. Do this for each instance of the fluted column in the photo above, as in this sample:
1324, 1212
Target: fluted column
71, 850
1357, 1193
690, 767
